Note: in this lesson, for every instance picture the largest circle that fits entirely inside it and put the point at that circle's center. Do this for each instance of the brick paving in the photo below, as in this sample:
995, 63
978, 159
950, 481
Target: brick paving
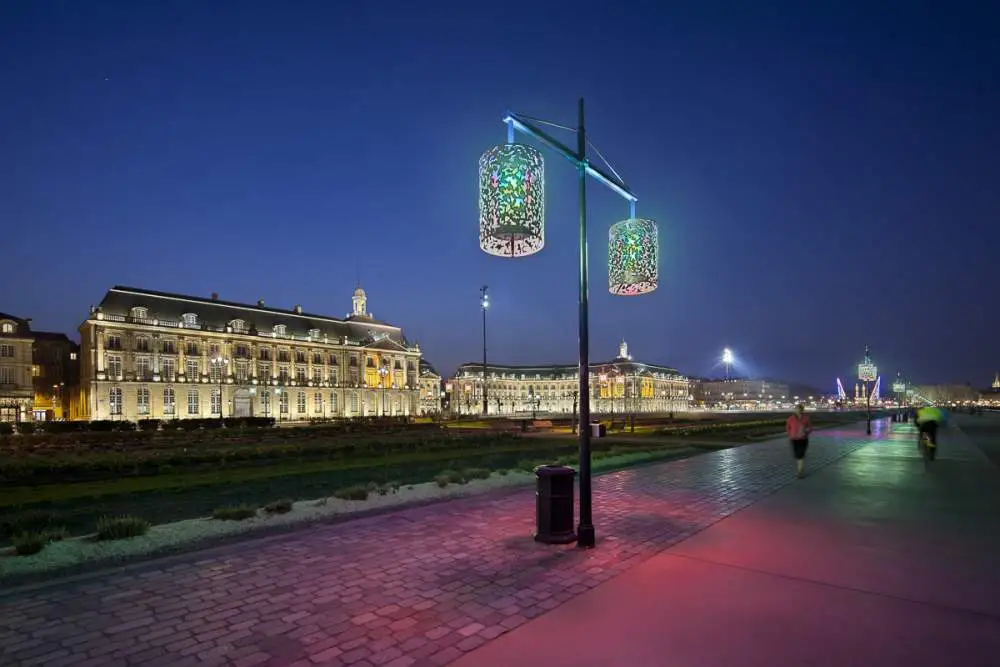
415, 588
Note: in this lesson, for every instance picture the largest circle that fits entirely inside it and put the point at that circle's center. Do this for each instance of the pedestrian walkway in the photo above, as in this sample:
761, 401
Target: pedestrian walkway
870, 561
417, 587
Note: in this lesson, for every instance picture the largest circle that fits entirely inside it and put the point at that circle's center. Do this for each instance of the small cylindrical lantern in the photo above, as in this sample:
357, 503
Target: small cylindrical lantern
633, 256
511, 201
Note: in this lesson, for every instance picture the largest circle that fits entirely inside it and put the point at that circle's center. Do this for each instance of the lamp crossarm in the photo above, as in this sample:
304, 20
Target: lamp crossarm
612, 183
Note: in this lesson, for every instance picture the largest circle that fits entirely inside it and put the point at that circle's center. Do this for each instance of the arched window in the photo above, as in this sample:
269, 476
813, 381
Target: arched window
7, 327
189, 319
238, 326
140, 312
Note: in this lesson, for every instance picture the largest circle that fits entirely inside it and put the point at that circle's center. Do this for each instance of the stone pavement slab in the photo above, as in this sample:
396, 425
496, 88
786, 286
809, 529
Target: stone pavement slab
872, 560
417, 587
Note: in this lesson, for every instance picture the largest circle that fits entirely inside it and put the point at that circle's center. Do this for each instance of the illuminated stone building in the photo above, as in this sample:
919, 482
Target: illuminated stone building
17, 391
621, 385
430, 389
56, 375
147, 354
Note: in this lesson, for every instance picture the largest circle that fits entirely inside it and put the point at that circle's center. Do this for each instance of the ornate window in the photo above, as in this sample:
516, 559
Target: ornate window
301, 402
238, 326
140, 312
318, 403
280, 329
7, 327
189, 319
168, 400
193, 402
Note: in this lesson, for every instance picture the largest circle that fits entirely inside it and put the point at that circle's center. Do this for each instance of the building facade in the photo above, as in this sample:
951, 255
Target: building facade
430, 390
157, 355
622, 386
56, 375
17, 390
740, 393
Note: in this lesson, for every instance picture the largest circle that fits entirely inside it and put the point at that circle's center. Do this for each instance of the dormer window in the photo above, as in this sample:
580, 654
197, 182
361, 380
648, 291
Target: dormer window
314, 333
140, 312
280, 329
7, 327
238, 325
189, 319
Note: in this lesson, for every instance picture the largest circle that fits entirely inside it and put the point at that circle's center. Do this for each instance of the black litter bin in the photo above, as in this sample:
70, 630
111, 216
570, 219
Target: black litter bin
554, 505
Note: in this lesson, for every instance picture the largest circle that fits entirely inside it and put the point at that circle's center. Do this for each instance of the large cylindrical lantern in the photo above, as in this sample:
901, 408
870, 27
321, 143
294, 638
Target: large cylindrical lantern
511, 201
633, 257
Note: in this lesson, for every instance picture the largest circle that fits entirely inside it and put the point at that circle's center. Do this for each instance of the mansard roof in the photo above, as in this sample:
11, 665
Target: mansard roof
22, 325
215, 314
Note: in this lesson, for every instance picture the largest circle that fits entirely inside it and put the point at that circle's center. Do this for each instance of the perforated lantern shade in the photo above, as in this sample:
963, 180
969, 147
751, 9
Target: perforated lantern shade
633, 257
511, 201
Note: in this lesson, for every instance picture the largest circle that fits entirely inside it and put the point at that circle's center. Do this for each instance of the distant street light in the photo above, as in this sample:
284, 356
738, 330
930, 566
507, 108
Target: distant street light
484, 302
727, 359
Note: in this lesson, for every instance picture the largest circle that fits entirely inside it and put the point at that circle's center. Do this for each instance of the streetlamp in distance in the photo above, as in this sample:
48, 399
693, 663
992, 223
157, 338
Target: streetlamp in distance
383, 370
867, 372
220, 364
727, 360
484, 302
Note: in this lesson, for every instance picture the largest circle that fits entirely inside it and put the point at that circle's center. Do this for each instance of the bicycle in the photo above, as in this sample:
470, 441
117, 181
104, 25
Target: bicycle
928, 450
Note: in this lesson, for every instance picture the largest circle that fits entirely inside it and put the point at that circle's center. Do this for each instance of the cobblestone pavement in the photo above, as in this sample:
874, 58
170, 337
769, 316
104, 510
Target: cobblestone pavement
418, 587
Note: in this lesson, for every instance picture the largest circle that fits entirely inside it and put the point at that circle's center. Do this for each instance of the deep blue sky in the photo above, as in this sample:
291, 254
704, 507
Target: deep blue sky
825, 174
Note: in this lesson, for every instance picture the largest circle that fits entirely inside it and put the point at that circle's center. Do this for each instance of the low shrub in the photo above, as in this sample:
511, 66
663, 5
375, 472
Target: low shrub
6, 429
26, 428
149, 424
454, 477
356, 492
124, 426
234, 512
121, 527
56, 533
476, 473
442, 480
503, 472
26, 544
282, 506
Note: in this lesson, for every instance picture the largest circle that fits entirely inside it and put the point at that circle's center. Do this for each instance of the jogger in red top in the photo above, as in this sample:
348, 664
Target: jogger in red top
798, 428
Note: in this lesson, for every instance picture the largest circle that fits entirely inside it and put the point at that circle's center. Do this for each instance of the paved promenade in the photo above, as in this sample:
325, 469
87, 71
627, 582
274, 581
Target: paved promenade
870, 561
429, 585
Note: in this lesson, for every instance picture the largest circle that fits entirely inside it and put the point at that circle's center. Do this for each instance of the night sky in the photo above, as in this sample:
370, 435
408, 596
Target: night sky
825, 174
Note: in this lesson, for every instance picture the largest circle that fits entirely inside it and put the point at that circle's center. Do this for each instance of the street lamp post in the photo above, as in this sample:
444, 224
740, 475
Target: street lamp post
383, 370
867, 372
221, 364
484, 301
511, 216
727, 359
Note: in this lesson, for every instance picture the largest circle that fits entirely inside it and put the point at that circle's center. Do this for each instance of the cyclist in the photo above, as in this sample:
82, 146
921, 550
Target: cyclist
928, 420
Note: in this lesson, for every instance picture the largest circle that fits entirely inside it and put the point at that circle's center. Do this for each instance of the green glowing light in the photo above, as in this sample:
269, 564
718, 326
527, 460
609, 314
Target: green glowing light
633, 257
511, 201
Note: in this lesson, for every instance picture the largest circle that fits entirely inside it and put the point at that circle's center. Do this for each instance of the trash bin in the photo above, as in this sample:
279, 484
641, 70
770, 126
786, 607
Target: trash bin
554, 505
598, 430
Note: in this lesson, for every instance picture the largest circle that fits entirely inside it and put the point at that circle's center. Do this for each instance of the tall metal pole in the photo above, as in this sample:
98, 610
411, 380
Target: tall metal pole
585, 531
484, 302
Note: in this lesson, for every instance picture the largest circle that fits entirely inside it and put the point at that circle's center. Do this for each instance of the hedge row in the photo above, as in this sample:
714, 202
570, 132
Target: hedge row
122, 426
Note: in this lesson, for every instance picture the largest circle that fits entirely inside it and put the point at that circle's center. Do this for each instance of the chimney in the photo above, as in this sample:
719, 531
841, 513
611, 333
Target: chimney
260, 303
215, 296
298, 309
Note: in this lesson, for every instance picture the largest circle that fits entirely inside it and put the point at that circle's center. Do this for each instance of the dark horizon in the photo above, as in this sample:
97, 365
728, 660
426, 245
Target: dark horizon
822, 174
